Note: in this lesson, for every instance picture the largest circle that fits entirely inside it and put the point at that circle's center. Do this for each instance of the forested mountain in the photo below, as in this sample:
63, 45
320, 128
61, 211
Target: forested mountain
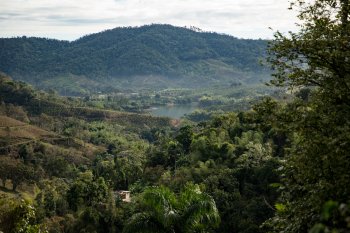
152, 55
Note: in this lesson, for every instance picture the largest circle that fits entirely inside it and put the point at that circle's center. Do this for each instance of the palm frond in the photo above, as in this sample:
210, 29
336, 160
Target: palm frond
143, 223
193, 211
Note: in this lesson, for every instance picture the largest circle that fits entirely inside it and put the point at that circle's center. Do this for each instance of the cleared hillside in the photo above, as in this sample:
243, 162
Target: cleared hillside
13, 132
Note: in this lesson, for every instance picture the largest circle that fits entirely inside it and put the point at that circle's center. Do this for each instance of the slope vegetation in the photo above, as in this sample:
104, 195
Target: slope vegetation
154, 56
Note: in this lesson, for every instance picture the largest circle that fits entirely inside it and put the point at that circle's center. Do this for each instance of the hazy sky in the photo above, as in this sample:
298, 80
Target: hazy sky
71, 19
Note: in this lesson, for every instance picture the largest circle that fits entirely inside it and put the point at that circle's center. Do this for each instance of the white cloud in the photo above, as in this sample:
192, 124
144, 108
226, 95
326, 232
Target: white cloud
66, 19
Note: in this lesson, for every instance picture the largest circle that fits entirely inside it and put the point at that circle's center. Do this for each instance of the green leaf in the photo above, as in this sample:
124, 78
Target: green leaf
280, 207
328, 209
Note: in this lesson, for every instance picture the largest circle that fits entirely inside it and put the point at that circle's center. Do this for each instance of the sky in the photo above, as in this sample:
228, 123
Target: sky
71, 19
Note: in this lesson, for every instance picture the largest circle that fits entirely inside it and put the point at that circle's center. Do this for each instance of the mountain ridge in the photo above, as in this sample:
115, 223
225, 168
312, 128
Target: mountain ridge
120, 56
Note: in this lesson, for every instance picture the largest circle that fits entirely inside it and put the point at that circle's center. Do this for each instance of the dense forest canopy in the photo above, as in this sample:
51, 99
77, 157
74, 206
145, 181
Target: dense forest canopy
163, 54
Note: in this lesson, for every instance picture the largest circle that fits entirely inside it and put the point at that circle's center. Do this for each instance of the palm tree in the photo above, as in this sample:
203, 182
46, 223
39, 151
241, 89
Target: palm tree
189, 212
198, 210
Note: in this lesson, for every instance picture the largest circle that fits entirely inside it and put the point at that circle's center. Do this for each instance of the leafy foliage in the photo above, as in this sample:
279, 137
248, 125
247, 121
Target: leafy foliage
317, 167
191, 211
18, 217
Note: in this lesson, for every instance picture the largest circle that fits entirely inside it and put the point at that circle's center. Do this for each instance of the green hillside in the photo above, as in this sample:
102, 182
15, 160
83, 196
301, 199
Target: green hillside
37, 103
155, 56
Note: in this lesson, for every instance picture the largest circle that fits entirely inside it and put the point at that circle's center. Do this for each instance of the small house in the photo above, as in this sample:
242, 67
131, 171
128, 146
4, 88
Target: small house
124, 195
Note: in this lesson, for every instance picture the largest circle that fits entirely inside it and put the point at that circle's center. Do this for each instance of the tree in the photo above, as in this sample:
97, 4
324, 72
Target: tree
18, 217
16, 171
21, 173
190, 211
185, 138
318, 54
25, 152
4, 172
51, 200
317, 167
87, 191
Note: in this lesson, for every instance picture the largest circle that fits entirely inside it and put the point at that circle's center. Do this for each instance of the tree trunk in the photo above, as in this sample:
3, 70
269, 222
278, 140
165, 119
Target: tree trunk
14, 186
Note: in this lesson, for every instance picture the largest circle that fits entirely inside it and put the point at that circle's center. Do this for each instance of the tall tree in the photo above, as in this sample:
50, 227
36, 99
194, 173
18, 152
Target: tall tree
317, 168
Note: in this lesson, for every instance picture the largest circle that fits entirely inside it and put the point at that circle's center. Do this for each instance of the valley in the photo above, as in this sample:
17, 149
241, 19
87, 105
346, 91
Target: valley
127, 109
168, 129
